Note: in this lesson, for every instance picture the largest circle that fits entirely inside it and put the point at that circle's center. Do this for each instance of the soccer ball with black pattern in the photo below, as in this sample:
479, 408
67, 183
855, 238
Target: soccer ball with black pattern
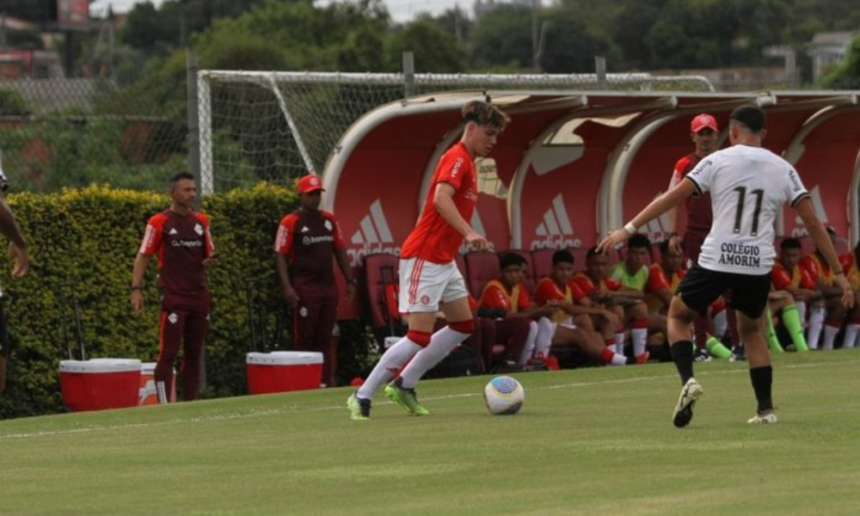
504, 395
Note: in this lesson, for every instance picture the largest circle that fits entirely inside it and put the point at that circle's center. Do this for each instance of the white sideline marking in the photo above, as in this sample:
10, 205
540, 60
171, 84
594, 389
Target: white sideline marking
339, 406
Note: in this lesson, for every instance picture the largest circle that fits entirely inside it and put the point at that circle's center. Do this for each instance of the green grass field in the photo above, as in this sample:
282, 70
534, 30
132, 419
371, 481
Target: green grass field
595, 441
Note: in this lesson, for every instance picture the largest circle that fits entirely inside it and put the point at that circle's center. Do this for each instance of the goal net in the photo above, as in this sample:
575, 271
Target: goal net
277, 126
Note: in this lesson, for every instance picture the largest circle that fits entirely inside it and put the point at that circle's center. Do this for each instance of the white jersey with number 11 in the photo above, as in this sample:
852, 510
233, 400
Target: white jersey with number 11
748, 185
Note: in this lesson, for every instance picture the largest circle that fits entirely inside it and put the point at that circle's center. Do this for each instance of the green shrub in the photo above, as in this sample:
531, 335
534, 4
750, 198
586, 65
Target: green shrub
83, 244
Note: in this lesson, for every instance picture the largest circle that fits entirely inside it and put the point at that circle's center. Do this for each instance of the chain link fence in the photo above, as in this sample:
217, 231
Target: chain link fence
246, 126
57, 133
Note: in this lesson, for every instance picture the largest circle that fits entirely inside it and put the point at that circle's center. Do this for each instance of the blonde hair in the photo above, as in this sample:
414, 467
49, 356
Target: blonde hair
485, 114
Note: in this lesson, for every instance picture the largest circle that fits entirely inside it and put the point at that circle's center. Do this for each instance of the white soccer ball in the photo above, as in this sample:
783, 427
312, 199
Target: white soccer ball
504, 395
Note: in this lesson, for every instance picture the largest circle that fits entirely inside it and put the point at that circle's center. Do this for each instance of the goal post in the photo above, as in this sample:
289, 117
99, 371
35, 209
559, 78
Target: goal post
277, 126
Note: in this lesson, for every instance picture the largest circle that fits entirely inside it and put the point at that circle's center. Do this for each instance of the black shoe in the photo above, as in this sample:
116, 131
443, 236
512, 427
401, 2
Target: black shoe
739, 354
702, 355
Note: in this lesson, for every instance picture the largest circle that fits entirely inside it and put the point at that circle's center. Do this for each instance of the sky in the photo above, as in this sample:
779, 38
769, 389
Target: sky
400, 10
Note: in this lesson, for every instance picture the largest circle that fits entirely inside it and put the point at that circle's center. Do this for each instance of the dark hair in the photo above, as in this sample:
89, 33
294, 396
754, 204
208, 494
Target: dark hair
483, 113
562, 256
664, 247
639, 241
790, 243
750, 116
179, 176
592, 251
507, 259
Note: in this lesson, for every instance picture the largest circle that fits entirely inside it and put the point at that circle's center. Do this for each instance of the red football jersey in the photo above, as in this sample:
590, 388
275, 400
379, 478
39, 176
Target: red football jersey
309, 239
496, 296
181, 243
433, 239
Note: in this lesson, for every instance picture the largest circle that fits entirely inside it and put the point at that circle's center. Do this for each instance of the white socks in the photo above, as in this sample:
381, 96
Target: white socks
816, 323
543, 342
442, 343
389, 365
529, 348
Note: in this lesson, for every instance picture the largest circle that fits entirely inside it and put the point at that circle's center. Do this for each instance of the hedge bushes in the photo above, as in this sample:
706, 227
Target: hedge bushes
83, 244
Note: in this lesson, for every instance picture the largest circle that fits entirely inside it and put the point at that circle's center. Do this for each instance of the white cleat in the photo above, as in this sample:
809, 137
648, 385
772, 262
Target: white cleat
766, 417
683, 414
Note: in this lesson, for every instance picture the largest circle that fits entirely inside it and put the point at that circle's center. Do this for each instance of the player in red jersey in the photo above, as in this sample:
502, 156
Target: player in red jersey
180, 237
304, 245
663, 281
571, 321
834, 310
604, 292
429, 278
507, 300
850, 265
699, 217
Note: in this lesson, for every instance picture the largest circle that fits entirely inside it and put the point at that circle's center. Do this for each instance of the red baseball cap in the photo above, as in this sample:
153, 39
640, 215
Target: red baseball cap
310, 183
702, 121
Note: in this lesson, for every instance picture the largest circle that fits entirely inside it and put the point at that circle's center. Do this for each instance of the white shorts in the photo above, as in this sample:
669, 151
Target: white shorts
423, 285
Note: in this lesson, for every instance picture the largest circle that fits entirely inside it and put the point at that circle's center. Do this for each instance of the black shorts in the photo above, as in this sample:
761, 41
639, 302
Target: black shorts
701, 287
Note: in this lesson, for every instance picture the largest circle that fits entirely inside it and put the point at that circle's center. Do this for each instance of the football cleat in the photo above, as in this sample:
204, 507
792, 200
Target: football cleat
359, 408
683, 414
642, 358
406, 398
702, 355
765, 417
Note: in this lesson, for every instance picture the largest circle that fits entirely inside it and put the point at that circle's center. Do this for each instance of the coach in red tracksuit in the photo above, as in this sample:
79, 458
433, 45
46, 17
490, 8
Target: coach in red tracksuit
306, 241
180, 237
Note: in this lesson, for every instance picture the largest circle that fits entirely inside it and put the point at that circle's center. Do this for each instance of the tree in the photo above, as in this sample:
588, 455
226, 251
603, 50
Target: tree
846, 75
503, 36
453, 21
570, 45
434, 50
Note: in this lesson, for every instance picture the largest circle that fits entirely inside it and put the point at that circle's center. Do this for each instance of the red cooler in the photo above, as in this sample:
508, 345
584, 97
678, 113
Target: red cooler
148, 395
283, 371
100, 383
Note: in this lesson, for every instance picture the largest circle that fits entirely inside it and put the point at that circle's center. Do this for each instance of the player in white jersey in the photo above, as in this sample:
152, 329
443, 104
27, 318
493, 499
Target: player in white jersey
748, 186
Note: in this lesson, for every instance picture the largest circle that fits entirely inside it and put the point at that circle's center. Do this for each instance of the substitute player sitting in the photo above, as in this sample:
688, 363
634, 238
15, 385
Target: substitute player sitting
663, 281
571, 304
834, 311
632, 275
506, 298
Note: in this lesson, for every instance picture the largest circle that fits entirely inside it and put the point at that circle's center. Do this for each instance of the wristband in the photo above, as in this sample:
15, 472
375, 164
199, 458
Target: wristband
629, 228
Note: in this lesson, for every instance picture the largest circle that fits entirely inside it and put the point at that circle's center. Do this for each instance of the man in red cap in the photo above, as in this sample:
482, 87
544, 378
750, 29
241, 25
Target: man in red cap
306, 240
704, 132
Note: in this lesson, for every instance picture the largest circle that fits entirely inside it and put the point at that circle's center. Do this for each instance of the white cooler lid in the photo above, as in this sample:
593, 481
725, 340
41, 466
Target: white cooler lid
285, 358
100, 365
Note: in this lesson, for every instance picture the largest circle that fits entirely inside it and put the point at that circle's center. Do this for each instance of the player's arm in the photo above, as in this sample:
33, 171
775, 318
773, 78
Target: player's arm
654, 209
283, 248
822, 241
17, 243
138, 276
443, 201
674, 212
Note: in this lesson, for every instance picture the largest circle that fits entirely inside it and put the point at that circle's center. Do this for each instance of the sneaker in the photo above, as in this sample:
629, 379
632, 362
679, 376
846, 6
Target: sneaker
702, 355
764, 417
643, 357
691, 392
406, 398
739, 354
359, 408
